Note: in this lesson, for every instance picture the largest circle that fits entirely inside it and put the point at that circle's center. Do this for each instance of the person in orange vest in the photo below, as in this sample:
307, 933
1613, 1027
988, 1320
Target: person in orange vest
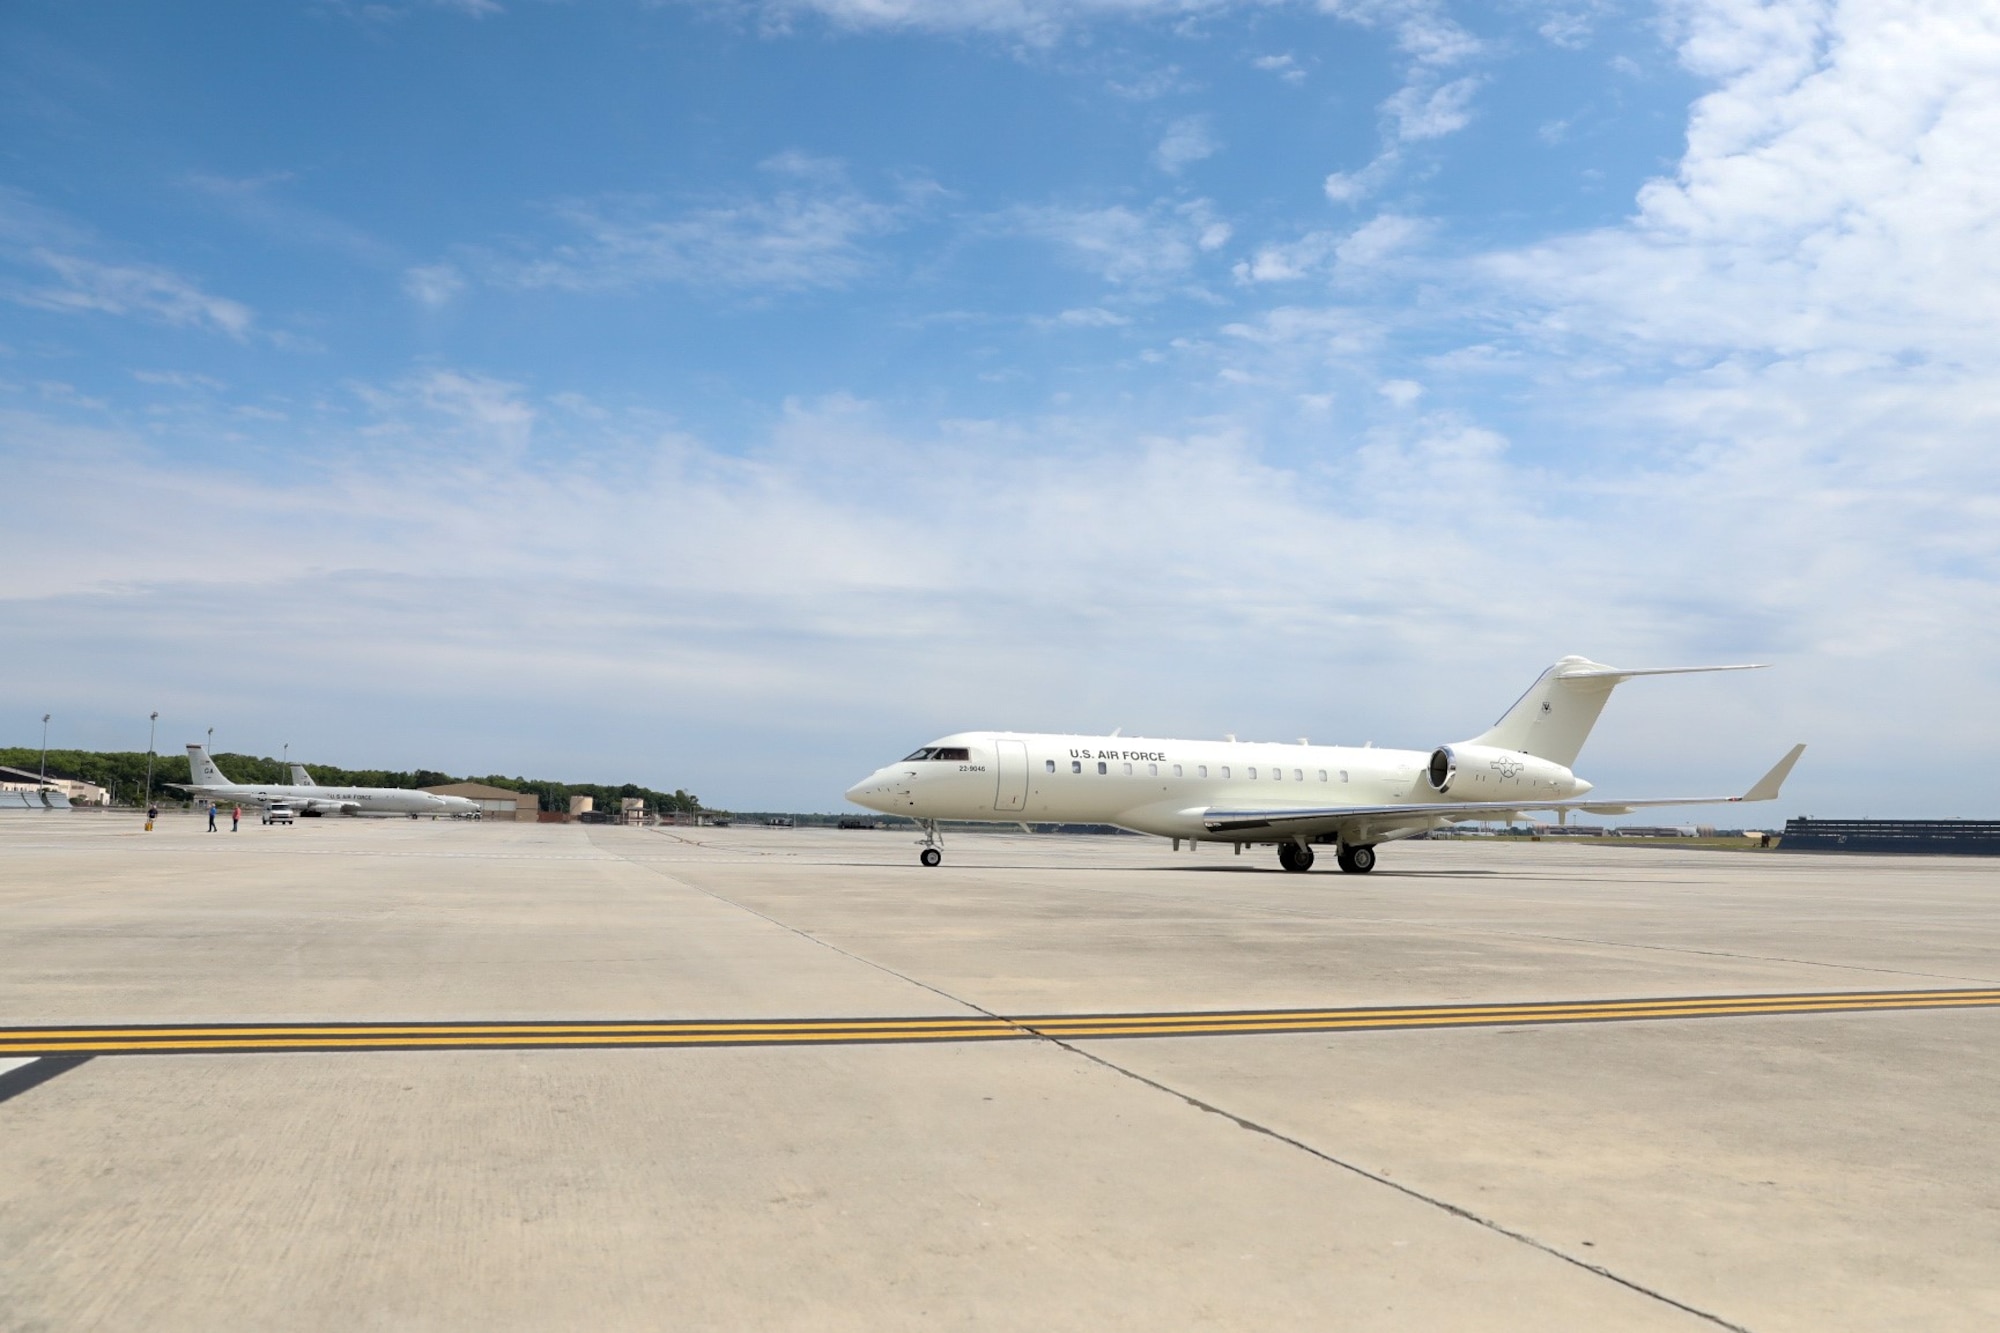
235, 817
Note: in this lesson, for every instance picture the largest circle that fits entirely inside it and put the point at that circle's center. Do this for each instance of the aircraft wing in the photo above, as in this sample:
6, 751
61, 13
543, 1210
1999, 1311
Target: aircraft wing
1356, 823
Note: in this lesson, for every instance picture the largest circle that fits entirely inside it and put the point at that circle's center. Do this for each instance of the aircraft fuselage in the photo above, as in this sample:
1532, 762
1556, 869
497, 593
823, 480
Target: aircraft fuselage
1165, 787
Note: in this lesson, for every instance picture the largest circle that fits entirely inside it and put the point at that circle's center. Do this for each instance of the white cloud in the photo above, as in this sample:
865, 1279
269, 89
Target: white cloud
443, 409
1038, 21
810, 232
1285, 66
1137, 248
176, 379
1351, 187
1316, 253
1187, 141
1429, 105
1571, 24
1424, 31
1835, 196
1379, 238
147, 291
433, 284
1288, 261
1431, 113
1091, 317
263, 203
39, 243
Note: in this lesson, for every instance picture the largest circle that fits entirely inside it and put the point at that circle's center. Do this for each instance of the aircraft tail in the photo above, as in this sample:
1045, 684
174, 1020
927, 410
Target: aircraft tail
206, 774
301, 778
1553, 719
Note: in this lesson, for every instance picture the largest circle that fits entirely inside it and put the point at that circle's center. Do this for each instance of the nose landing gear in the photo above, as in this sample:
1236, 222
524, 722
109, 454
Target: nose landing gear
932, 842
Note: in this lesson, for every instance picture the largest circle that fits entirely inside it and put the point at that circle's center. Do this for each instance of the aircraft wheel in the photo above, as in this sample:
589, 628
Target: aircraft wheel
1357, 860
1294, 857
932, 856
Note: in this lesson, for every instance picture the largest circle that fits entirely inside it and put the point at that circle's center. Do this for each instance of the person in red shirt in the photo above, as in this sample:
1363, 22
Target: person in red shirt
235, 817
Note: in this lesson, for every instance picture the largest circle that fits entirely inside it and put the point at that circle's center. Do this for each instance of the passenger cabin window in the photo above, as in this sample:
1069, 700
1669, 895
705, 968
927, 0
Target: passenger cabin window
1152, 770
1101, 769
1298, 776
1128, 770
1076, 765
1049, 765
1277, 775
1201, 770
1177, 770
1322, 775
1251, 771
1343, 775
1225, 771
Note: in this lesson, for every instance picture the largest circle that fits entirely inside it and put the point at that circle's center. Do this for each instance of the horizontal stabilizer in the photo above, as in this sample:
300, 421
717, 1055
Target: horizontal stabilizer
1627, 673
1553, 719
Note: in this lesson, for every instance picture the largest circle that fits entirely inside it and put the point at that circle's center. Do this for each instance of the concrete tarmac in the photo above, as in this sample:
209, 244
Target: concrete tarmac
1800, 1172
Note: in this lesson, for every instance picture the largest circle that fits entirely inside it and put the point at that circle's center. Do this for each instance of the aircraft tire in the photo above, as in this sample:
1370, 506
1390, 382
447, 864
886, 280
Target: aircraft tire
1357, 860
932, 856
1295, 858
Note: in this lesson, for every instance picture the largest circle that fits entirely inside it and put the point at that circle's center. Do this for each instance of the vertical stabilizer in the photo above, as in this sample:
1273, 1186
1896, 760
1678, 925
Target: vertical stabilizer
301, 778
1554, 718
206, 774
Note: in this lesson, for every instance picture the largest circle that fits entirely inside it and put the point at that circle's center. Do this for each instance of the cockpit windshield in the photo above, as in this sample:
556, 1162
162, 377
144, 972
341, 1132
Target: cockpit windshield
922, 754
950, 754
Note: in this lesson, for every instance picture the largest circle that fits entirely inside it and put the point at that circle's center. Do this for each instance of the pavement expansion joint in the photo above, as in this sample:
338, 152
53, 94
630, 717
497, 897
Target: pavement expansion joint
1430, 1200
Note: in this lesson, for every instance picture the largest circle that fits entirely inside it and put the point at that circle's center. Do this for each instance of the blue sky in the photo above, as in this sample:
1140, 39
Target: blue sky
732, 395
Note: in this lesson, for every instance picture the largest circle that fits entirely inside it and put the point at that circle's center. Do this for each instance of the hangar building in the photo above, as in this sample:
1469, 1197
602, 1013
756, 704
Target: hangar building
494, 802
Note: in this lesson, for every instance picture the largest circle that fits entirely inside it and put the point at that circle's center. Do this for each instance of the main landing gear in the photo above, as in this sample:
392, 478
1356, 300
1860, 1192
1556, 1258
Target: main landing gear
1298, 858
932, 842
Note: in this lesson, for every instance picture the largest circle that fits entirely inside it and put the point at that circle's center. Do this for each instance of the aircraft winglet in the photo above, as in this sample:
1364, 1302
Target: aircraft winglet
1766, 787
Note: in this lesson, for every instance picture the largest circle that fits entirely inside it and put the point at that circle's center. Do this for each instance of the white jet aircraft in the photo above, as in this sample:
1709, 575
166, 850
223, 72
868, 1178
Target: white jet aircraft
1289, 795
210, 785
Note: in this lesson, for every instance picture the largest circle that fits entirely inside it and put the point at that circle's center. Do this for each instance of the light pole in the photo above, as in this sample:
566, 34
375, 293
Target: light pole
152, 726
211, 744
45, 749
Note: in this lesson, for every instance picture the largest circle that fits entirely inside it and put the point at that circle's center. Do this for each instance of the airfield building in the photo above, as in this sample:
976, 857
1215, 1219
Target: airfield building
494, 802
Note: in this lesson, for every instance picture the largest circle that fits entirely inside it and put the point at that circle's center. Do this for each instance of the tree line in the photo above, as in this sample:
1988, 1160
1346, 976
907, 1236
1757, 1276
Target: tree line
123, 773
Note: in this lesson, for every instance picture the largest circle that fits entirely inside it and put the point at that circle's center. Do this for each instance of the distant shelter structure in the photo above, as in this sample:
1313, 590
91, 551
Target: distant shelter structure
494, 802
1926, 837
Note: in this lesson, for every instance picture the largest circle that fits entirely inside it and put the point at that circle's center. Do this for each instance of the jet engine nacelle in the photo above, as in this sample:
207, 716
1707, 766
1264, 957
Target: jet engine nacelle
1481, 772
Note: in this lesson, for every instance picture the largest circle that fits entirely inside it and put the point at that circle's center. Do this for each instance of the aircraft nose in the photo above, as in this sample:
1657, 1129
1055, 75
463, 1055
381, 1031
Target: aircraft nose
868, 792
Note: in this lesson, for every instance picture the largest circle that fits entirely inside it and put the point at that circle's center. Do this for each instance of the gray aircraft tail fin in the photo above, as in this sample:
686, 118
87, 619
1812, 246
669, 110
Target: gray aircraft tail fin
301, 778
206, 774
1553, 719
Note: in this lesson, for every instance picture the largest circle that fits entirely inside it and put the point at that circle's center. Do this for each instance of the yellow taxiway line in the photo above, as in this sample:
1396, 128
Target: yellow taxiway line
246, 1038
